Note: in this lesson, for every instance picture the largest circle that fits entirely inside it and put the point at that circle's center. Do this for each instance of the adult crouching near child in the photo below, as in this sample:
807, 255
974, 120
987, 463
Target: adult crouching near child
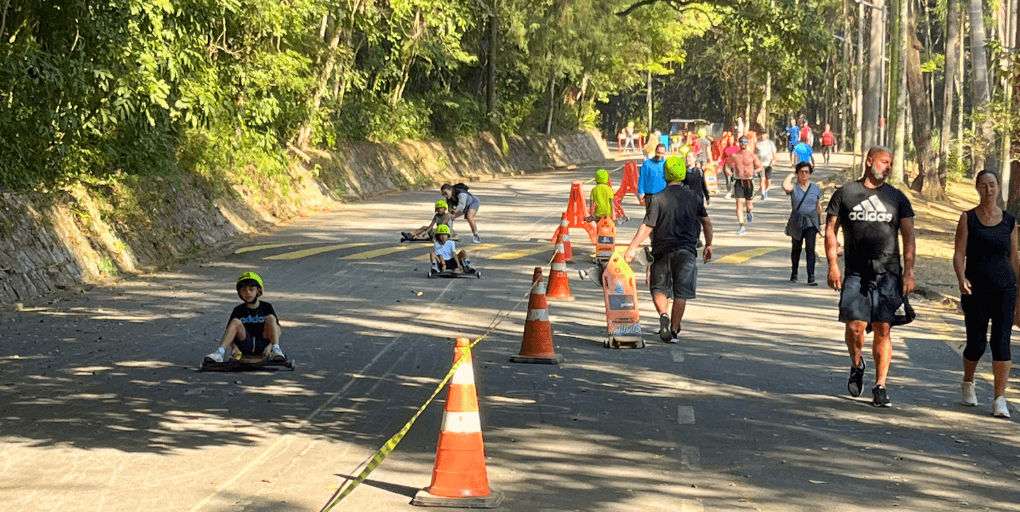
805, 218
462, 204
987, 266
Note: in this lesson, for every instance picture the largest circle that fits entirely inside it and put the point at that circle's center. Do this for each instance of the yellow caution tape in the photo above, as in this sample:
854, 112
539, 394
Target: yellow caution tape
391, 444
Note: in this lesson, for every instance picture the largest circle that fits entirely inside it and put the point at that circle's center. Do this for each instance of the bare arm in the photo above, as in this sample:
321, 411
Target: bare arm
642, 233
706, 225
909, 254
832, 252
960, 255
788, 183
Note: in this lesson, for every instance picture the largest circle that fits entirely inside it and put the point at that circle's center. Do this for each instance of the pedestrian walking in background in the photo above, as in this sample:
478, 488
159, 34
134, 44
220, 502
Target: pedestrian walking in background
874, 289
987, 266
629, 134
792, 137
766, 151
805, 218
828, 143
705, 147
650, 176
806, 135
674, 218
802, 152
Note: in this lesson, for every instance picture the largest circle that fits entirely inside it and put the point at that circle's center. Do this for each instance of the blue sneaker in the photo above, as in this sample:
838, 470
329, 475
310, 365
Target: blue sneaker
750, 216
742, 231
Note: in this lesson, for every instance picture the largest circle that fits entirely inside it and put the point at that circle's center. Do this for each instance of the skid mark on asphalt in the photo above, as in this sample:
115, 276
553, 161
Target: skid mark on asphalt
743, 256
304, 253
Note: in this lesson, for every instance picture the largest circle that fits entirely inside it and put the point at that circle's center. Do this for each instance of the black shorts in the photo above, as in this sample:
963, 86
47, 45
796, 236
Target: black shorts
875, 299
252, 345
450, 264
768, 172
676, 271
743, 189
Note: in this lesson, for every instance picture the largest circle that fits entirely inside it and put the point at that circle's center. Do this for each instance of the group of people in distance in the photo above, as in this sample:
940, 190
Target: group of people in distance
876, 280
874, 284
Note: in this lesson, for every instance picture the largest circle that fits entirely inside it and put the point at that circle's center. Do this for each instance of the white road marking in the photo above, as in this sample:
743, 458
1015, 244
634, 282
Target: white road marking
685, 414
690, 458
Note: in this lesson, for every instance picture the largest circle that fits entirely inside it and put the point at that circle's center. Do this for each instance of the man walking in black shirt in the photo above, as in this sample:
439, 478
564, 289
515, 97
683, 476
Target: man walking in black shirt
872, 213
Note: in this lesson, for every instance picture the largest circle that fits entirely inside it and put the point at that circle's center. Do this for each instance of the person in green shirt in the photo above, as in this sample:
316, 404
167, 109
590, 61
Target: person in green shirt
601, 199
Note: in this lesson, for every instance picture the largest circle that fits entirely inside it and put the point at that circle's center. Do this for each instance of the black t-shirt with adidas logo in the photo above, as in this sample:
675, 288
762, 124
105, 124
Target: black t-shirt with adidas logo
870, 219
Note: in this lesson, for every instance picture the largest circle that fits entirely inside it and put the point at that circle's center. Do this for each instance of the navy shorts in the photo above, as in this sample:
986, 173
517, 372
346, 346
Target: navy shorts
450, 264
676, 271
252, 345
870, 300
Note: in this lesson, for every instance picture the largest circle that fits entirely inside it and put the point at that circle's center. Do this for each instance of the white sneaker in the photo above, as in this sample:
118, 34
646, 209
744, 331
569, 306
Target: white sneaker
217, 357
729, 195
277, 354
999, 407
968, 396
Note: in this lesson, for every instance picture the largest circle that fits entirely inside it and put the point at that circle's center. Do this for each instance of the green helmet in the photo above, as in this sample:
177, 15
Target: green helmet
601, 176
702, 132
249, 279
442, 229
675, 169
441, 204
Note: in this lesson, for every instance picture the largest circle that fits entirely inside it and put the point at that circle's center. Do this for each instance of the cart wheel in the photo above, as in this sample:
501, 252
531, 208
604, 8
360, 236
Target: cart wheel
478, 274
605, 343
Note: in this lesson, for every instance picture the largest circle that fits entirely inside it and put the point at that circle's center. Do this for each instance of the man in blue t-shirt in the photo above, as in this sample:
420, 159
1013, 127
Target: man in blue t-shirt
792, 138
802, 152
650, 179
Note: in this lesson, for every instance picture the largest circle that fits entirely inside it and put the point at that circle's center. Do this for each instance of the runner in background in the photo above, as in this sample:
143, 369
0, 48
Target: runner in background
743, 164
828, 141
792, 137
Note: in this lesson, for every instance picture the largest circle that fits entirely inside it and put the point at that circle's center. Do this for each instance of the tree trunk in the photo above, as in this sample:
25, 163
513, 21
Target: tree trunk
859, 99
961, 68
927, 181
953, 39
552, 105
490, 83
1008, 41
876, 87
984, 157
897, 93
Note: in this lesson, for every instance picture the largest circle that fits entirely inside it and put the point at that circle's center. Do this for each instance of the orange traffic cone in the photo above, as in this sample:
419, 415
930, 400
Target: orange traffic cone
629, 182
559, 284
537, 344
577, 211
562, 234
459, 478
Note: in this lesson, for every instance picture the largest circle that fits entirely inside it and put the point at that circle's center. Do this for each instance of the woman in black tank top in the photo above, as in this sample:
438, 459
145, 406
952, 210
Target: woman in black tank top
987, 266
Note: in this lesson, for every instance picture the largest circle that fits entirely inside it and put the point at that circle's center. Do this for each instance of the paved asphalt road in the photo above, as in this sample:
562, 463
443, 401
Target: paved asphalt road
101, 407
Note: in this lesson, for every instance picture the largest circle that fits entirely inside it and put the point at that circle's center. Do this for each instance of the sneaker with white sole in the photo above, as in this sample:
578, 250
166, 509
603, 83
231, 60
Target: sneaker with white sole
674, 337
475, 239
999, 407
880, 397
856, 381
664, 333
750, 216
967, 394
729, 195
220, 356
277, 354
741, 231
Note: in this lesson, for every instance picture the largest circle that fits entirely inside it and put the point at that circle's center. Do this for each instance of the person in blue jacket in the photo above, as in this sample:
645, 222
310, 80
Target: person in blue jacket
652, 179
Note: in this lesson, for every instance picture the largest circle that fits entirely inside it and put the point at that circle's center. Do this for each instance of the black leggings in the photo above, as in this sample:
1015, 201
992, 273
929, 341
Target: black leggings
980, 308
808, 240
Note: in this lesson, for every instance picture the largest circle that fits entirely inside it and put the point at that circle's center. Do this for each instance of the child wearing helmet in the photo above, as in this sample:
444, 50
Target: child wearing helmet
445, 256
441, 217
600, 202
253, 328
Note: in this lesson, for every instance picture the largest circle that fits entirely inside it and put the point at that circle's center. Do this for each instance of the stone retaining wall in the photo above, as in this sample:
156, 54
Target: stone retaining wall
91, 232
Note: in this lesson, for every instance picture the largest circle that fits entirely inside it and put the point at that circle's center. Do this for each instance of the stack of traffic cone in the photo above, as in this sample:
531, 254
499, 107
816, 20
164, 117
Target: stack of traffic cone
459, 478
577, 211
559, 284
562, 235
617, 210
537, 345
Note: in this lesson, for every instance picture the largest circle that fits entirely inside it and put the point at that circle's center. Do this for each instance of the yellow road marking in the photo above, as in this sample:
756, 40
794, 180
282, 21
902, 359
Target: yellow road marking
513, 255
269, 246
312, 252
742, 256
377, 252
